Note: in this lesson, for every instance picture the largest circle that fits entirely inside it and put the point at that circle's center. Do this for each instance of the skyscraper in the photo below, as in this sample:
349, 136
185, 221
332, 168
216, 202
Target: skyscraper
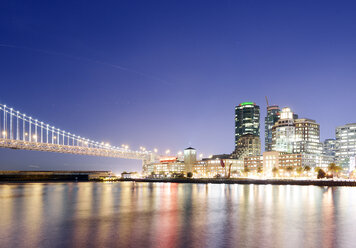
283, 132
247, 120
307, 137
271, 119
345, 144
296, 135
190, 157
247, 130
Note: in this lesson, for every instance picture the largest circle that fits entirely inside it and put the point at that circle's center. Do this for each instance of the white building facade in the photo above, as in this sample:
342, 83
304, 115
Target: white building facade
345, 144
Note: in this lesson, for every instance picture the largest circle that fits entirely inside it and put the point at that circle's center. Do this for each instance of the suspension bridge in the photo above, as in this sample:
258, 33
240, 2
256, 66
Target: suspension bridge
19, 131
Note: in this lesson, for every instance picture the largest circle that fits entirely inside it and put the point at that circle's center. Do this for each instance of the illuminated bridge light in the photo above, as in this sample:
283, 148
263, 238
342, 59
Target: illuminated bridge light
20, 131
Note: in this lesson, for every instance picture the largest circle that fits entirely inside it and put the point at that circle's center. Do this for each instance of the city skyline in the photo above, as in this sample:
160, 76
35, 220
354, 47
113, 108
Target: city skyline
172, 83
206, 123
40, 134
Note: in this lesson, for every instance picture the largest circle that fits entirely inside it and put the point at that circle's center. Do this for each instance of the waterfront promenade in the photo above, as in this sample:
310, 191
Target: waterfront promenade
316, 182
53, 176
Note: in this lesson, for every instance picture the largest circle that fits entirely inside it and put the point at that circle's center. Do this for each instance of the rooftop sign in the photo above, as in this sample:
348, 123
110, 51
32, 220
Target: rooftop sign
167, 159
247, 103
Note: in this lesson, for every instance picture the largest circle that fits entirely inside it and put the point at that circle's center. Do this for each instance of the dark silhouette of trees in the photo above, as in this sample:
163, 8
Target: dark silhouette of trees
321, 174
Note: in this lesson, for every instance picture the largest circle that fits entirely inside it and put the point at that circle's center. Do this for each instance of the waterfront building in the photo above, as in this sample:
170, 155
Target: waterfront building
220, 167
263, 165
290, 159
225, 166
130, 175
164, 167
170, 165
253, 164
247, 120
270, 161
345, 144
282, 160
283, 132
217, 166
190, 158
272, 117
199, 169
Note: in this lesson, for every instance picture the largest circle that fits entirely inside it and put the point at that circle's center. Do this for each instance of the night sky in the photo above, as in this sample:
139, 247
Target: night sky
167, 74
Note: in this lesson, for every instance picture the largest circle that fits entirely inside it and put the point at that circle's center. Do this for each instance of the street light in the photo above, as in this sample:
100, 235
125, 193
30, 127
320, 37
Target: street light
168, 151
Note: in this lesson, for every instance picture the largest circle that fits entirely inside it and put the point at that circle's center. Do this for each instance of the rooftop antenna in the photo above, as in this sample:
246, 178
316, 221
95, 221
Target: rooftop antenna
267, 102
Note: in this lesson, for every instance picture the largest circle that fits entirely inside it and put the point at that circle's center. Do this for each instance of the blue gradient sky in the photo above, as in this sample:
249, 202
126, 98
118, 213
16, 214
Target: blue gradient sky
168, 74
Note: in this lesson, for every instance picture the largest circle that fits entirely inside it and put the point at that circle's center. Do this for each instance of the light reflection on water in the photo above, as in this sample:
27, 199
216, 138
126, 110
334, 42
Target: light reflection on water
175, 215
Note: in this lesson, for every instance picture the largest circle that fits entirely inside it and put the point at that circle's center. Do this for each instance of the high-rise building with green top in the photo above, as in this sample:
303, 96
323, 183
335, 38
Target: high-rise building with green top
247, 120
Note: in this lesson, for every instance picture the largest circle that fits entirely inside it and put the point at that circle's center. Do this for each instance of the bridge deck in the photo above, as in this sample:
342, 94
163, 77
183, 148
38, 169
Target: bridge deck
79, 150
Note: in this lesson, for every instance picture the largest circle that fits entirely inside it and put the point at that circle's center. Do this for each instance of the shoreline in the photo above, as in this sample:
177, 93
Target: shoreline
313, 182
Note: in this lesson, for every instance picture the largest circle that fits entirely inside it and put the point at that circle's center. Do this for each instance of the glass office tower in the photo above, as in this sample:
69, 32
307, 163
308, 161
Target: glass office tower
283, 132
247, 120
345, 144
272, 117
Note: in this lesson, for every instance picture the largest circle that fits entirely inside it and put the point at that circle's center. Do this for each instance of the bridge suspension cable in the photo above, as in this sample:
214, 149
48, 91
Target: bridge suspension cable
19, 131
